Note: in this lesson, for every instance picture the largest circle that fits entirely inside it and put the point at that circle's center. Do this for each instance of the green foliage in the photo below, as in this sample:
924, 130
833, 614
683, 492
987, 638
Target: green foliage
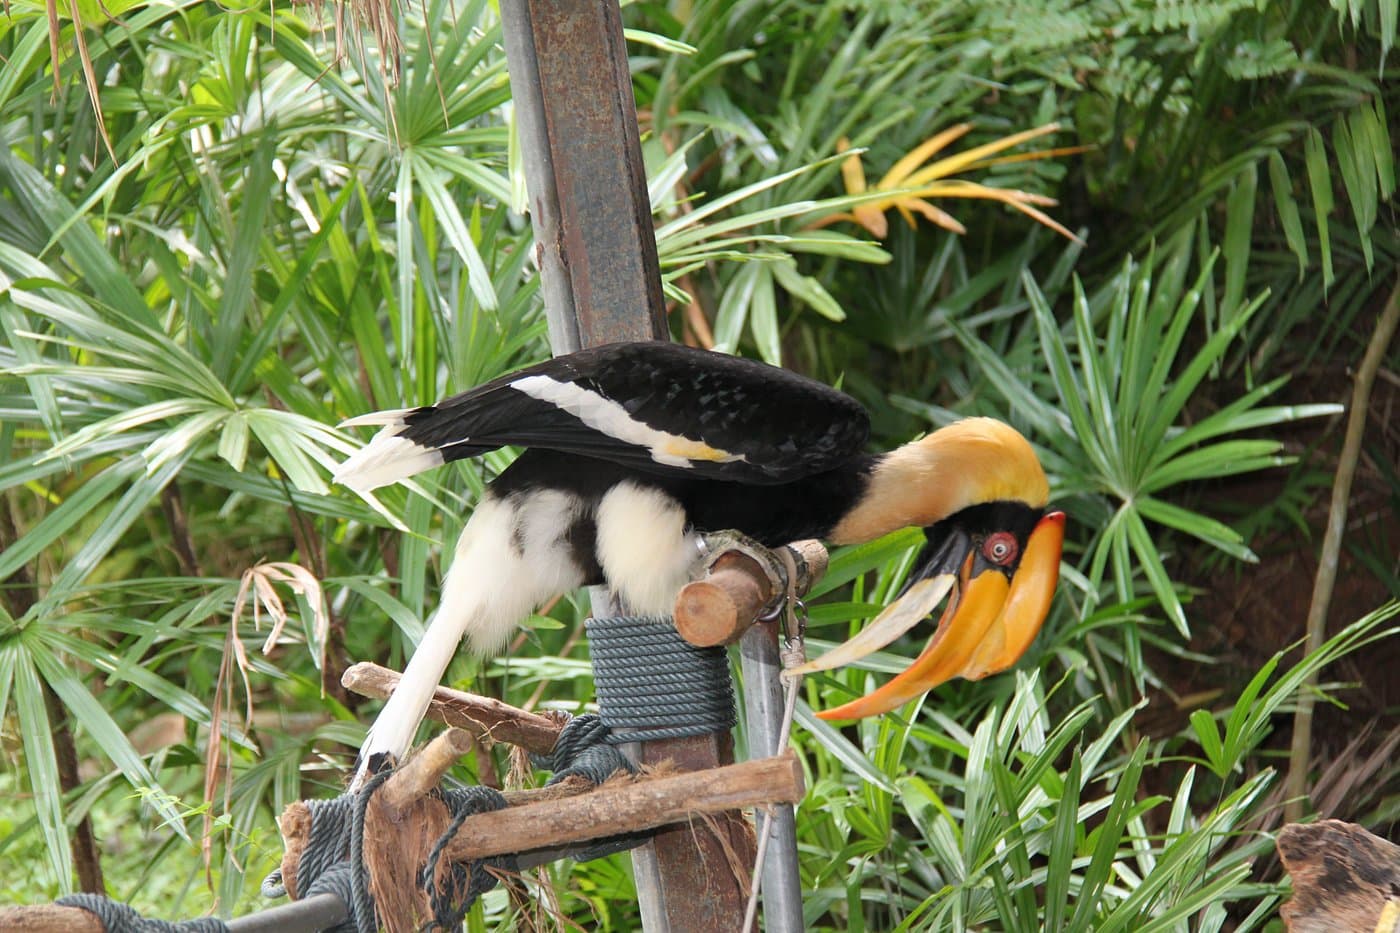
286, 237
1117, 422
1009, 831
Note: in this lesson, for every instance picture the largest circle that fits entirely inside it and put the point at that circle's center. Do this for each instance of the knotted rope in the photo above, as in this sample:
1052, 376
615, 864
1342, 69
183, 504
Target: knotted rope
582, 750
333, 857
465, 881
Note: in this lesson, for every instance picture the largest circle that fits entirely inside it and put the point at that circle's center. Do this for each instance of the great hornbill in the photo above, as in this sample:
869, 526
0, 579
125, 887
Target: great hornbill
637, 450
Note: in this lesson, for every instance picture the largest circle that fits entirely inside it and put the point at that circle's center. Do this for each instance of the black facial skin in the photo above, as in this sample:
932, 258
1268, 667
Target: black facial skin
950, 541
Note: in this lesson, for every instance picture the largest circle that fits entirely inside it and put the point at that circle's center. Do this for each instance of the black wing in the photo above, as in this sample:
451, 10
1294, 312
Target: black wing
658, 407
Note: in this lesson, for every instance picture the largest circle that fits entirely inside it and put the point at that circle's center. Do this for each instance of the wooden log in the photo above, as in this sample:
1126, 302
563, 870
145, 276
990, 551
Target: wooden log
1344, 879
483, 717
719, 609
424, 770
396, 847
628, 806
320, 912
403, 823
295, 822
49, 918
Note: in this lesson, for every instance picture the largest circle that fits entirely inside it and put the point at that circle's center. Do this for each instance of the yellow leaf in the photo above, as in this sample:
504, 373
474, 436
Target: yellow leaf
901, 169
910, 187
937, 216
872, 218
852, 172
963, 160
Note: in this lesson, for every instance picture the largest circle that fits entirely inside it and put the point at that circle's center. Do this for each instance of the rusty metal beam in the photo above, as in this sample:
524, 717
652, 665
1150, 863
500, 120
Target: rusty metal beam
601, 283
587, 183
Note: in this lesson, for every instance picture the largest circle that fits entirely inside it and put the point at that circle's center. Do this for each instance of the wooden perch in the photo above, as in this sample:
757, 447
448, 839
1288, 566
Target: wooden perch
423, 771
49, 918
720, 608
623, 806
402, 825
482, 717
1345, 880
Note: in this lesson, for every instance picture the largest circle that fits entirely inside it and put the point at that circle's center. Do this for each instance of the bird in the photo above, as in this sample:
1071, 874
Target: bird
635, 452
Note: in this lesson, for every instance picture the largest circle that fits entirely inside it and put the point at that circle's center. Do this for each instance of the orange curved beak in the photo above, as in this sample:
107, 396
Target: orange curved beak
988, 624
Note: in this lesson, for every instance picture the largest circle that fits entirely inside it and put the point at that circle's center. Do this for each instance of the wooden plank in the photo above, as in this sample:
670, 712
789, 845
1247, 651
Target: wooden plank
721, 607
628, 804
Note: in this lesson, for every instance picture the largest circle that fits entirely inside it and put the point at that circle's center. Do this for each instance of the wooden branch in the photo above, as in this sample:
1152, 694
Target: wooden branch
1300, 749
1344, 879
400, 793
422, 772
623, 807
720, 608
49, 918
483, 717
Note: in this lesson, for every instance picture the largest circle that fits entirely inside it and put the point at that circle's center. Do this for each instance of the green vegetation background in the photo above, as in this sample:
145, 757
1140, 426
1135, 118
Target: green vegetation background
263, 236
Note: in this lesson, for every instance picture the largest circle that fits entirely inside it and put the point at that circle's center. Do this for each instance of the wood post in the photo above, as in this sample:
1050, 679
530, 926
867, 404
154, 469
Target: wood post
1345, 880
589, 206
592, 219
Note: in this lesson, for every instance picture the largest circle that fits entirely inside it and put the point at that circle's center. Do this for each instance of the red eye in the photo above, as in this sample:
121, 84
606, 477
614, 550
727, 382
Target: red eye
1000, 548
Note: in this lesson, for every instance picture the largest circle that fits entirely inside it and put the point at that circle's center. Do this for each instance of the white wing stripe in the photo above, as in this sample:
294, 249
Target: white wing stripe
610, 418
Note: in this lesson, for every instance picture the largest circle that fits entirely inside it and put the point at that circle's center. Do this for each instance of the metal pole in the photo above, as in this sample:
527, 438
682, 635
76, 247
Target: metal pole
310, 914
577, 120
601, 283
763, 713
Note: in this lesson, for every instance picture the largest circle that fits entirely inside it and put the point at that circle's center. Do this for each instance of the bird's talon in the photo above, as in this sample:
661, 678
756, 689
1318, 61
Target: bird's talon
716, 544
382, 761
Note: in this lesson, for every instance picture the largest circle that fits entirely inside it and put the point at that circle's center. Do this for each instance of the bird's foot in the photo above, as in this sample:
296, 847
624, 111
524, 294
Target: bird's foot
716, 544
365, 768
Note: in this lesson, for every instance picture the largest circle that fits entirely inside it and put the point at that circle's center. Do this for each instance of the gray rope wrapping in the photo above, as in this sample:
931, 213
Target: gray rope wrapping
333, 858
117, 917
653, 684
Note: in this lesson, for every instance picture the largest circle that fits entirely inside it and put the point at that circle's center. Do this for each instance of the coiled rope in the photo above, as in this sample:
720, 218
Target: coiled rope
653, 684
